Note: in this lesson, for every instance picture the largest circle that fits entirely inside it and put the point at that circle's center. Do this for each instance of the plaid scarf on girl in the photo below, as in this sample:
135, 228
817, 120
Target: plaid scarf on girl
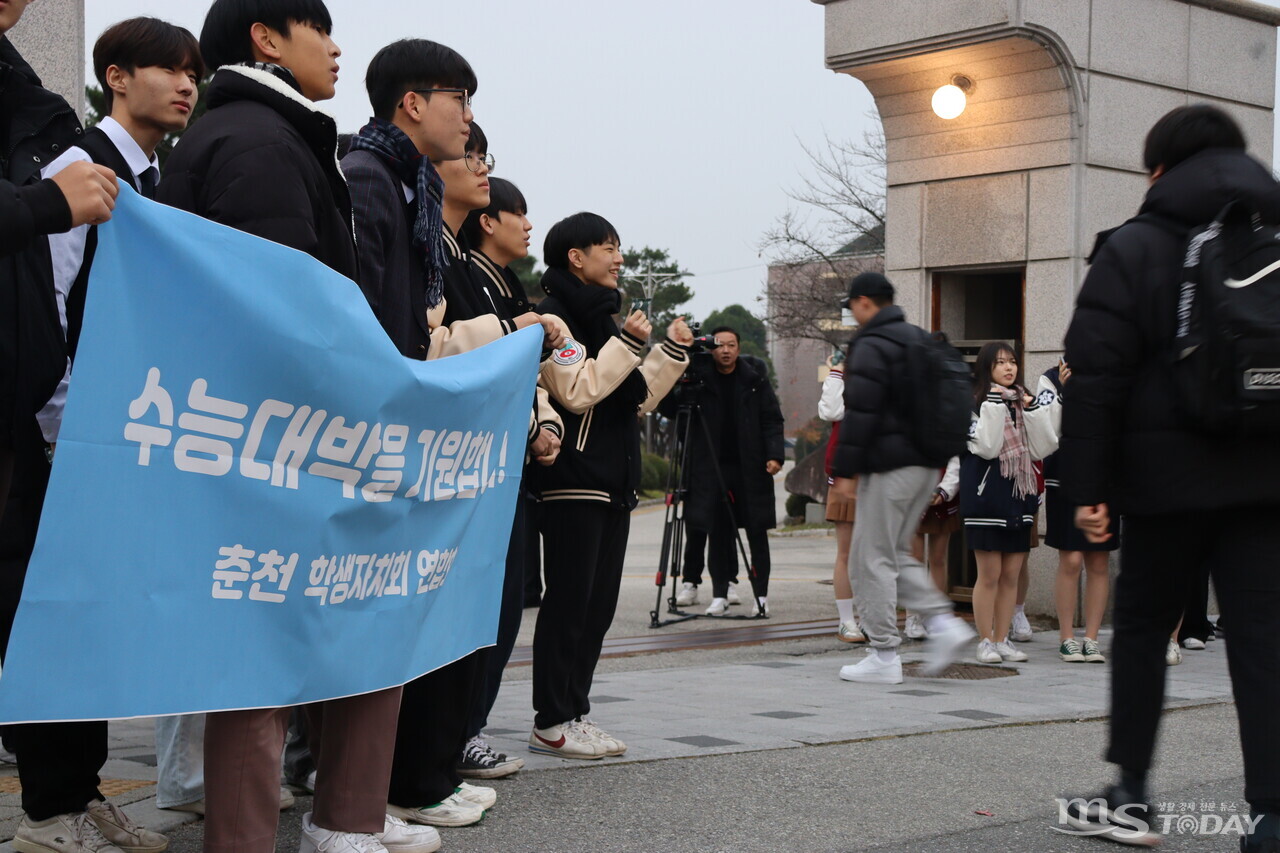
391, 143
1015, 457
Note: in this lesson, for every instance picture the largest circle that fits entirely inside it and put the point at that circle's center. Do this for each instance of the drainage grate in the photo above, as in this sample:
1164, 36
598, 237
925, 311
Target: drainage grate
964, 671
109, 787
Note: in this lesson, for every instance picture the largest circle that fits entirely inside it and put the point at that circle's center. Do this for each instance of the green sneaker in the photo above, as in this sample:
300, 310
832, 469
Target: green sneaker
1093, 654
1070, 651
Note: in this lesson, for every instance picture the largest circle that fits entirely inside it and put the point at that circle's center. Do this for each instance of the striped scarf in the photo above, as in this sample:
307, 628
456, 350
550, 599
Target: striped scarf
1015, 457
391, 143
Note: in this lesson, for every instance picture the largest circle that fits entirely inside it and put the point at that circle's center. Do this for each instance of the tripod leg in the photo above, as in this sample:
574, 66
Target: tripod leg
673, 523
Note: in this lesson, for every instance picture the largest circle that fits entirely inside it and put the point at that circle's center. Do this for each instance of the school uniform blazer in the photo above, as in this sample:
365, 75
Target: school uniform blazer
986, 497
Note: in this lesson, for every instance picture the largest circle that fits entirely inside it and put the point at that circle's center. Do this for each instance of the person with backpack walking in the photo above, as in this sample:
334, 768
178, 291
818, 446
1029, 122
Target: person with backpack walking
881, 462
999, 494
1172, 423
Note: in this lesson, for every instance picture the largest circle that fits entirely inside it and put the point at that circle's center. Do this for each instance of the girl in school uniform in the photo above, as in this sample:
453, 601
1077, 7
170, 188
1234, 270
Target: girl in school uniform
999, 494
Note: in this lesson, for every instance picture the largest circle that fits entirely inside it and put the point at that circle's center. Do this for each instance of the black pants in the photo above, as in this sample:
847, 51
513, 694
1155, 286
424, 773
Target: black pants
58, 763
509, 614
695, 555
431, 732
585, 545
532, 553
1158, 558
1195, 618
722, 556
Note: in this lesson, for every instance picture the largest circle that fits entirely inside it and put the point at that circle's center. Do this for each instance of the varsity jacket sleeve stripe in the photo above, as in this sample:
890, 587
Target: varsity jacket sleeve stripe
581, 385
661, 368
460, 335
548, 417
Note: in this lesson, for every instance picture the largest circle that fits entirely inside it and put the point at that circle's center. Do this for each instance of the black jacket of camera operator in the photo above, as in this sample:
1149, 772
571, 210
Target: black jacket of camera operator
759, 440
874, 436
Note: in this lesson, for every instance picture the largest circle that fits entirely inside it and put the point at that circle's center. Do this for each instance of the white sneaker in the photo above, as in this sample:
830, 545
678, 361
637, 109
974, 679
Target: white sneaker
987, 652
850, 633
64, 833
734, 598
1008, 652
1020, 628
478, 795
1173, 654
316, 839
872, 670
719, 607
118, 829
1193, 644
566, 741
687, 595
944, 645
914, 629
612, 745
755, 606
453, 810
400, 836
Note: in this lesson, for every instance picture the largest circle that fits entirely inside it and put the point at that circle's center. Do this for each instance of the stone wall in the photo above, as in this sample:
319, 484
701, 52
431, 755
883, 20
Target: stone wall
50, 36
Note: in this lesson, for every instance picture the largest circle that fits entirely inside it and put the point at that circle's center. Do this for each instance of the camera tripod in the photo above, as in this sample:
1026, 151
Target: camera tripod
673, 526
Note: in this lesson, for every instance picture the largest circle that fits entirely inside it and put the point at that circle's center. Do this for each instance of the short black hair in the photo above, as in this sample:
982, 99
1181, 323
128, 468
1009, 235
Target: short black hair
144, 43
580, 231
504, 197
718, 329
1185, 131
477, 142
224, 38
414, 64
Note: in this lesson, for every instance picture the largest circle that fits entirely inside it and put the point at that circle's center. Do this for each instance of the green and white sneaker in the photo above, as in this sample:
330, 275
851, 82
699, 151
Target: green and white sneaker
476, 795
1093, 654
1070, 651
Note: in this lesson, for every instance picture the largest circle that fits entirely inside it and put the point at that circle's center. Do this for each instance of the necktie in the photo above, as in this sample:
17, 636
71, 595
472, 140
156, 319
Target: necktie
148, 180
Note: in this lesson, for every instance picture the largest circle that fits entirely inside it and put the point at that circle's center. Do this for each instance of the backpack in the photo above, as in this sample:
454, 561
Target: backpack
1226, 353
938, 404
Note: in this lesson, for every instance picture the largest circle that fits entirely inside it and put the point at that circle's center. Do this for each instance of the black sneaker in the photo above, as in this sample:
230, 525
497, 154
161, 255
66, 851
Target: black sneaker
1265, 837
481, 761
1112, 814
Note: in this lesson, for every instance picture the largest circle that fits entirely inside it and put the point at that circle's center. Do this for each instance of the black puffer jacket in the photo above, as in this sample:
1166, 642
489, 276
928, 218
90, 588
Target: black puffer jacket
35, 127
1122, 440
873, 435
263, 160
759, 440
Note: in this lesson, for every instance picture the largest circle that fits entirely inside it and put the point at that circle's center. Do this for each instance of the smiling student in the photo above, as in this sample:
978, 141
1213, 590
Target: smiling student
587, 496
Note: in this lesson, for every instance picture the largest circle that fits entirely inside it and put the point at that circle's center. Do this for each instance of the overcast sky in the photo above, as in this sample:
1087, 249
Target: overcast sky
678, 120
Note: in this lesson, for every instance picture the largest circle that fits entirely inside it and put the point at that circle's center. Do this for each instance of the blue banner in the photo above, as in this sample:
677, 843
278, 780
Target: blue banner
256, 500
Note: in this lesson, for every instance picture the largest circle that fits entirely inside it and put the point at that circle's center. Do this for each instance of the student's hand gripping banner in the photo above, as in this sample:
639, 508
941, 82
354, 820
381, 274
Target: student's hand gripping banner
256, 500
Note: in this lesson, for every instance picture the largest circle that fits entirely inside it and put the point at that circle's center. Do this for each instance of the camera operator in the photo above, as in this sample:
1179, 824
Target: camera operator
744, 422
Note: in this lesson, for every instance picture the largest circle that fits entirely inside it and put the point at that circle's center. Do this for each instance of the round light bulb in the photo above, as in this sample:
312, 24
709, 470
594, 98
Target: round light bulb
949, 101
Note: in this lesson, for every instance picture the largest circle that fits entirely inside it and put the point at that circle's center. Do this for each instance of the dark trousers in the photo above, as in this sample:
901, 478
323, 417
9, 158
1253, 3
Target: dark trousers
532, 553
58, 763
585, 546
695, 555
431, 733
489, 678
1195, 618
722, 555
1158, 558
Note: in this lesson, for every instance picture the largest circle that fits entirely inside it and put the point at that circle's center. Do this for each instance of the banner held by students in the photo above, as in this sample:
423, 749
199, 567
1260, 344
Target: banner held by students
257, 501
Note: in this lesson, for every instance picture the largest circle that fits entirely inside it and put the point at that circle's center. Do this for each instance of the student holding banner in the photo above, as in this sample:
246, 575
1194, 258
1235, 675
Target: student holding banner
263, 129
148, 70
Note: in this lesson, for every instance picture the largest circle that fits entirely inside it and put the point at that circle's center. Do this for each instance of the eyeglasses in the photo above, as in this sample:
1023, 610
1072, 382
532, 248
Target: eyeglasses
466, 97
474, 162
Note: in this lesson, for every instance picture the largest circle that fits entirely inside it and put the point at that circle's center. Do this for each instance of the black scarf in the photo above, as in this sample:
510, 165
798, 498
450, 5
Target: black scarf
591, 309
392, 144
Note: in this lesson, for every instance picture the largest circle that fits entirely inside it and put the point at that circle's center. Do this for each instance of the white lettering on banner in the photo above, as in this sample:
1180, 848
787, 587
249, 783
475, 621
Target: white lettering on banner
332, 578
369, 461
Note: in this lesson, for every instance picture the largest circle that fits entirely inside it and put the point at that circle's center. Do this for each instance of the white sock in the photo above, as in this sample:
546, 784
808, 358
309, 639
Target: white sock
845, 607
940, 622
887, 655
1018, 608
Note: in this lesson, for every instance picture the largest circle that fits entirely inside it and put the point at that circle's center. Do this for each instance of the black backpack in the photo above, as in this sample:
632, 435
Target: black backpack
938, 404
1226, 358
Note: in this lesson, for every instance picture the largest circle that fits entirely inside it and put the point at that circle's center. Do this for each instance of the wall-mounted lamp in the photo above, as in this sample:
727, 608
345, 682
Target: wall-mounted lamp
950, 100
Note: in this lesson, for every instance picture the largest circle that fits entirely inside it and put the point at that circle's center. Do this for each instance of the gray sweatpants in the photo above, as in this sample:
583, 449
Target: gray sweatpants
882, 570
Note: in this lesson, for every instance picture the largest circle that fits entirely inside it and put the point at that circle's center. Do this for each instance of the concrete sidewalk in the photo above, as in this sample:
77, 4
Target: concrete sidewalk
779, 696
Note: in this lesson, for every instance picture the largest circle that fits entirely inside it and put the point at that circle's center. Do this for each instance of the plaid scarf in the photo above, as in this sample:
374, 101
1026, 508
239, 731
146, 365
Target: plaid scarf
1015, 458
391, 143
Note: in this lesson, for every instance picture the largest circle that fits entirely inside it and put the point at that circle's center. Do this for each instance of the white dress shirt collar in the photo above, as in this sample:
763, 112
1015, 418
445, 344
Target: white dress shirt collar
129, 149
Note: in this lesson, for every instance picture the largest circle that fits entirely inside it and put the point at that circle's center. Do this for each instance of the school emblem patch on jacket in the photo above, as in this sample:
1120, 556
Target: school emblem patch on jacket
1046, 398
571, 353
